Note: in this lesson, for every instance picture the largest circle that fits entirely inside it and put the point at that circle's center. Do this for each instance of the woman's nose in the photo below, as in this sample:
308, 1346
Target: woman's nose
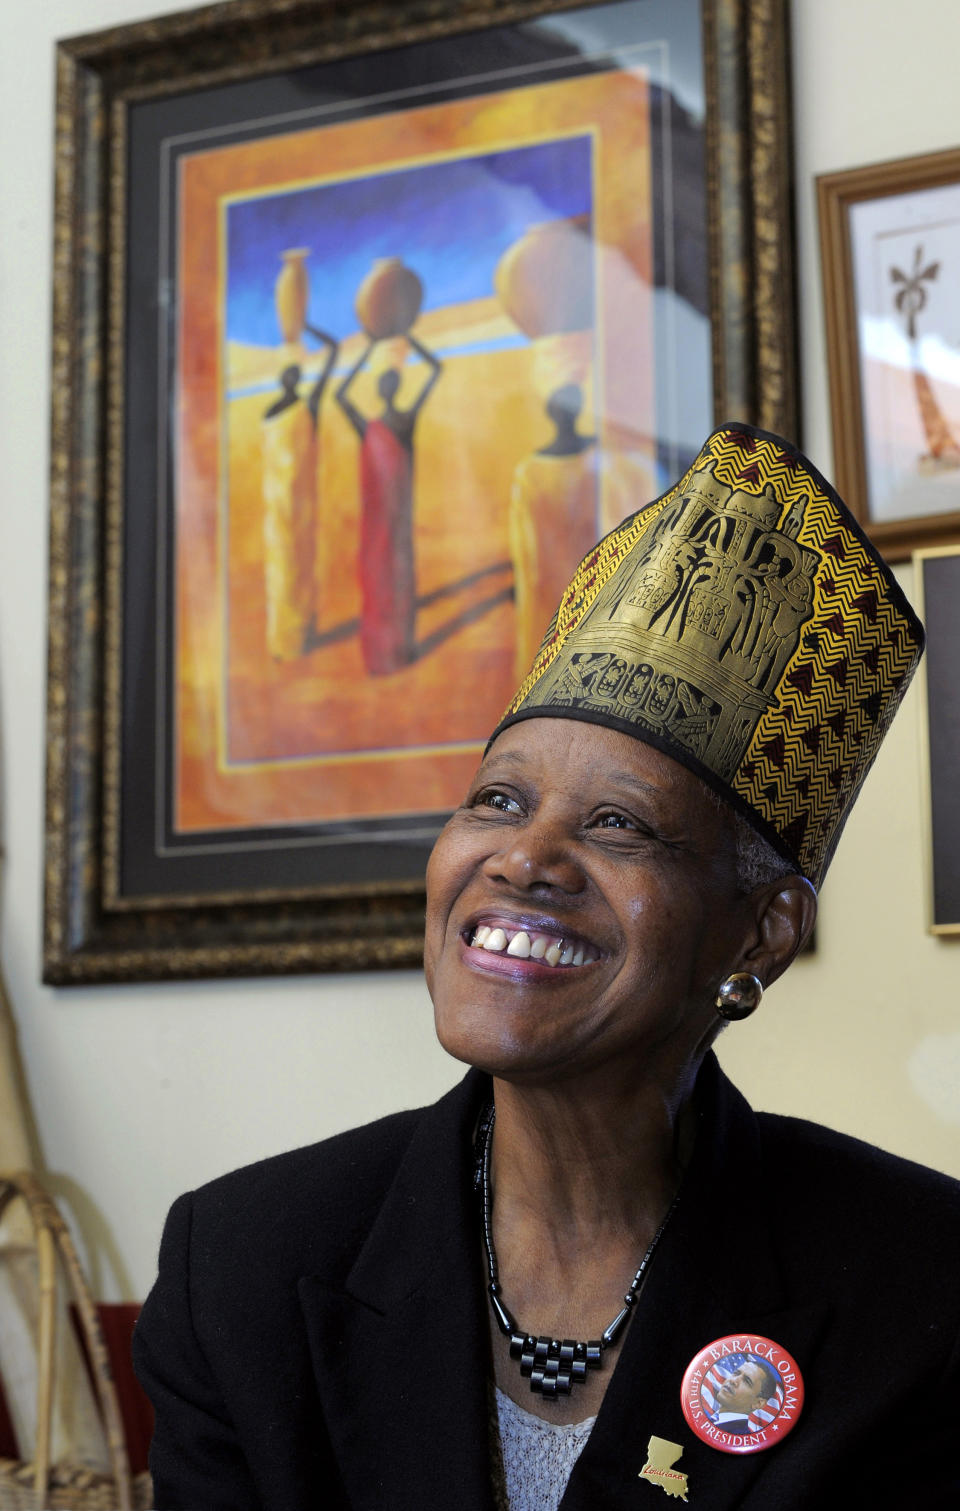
537, 855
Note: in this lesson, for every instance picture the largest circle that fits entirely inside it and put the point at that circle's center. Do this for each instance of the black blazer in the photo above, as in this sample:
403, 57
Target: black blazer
317, 1337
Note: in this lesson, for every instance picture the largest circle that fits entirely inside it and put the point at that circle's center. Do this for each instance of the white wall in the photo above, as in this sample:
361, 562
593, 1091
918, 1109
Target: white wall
866, 1036
140, 1092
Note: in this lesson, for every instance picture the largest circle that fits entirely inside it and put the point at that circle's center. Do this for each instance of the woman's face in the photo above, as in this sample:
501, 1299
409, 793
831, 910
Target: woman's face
572, 832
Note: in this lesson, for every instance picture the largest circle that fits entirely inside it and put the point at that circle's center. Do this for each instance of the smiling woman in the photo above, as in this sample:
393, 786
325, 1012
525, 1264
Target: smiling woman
635, 861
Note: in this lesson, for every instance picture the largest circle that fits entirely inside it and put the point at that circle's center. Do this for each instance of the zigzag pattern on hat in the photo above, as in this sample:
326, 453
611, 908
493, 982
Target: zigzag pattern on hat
810, 753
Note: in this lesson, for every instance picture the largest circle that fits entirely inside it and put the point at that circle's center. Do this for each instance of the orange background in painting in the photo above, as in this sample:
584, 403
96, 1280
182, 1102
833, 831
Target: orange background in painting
482, 418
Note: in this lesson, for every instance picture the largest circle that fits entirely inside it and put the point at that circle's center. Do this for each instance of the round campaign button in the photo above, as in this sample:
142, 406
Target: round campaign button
742, 1393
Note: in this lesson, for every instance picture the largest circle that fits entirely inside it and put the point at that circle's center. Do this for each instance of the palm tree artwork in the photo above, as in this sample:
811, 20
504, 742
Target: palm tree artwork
911, 297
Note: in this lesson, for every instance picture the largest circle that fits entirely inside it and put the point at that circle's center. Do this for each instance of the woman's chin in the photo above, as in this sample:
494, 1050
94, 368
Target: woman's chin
492, 1048
520, 1051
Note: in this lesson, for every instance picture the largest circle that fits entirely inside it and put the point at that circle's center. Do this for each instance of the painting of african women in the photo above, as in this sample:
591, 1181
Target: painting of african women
414, 384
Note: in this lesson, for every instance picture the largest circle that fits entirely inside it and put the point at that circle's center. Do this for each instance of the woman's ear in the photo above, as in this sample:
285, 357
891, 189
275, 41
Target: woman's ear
785, 913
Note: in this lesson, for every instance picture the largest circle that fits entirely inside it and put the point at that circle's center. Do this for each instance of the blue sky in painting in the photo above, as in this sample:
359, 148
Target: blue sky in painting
450, 221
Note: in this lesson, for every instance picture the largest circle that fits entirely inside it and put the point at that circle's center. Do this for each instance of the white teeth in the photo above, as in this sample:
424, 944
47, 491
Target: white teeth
520, 946
523, 946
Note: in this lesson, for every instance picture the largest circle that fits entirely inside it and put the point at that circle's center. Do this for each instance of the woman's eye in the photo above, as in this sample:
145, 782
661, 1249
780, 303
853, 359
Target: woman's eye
501, 800
614, 821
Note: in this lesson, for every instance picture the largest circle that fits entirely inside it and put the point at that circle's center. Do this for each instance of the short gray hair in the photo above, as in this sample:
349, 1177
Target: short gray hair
758, 863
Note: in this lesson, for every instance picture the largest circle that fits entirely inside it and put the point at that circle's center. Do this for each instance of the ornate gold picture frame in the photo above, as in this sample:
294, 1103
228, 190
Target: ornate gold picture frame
246, 773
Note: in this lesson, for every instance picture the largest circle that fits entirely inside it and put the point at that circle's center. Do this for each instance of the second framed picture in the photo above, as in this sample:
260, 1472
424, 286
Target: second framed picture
890, 242
937, 591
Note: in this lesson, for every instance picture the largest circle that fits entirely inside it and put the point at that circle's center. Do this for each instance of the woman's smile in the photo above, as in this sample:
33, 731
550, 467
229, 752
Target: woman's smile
547, 944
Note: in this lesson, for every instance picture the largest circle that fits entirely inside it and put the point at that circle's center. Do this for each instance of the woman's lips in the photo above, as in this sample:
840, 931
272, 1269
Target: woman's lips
551, 949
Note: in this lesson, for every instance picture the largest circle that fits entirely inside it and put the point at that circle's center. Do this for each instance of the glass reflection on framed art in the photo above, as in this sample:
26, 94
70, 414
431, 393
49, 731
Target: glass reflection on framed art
404, 310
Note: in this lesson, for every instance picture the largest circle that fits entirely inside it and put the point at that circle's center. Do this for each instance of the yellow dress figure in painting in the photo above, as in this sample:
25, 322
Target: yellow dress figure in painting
552, 521
544, 282
290, 462
289, 510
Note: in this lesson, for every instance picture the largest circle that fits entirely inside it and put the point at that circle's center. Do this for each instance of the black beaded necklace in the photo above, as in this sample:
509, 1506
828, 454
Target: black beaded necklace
552, 1365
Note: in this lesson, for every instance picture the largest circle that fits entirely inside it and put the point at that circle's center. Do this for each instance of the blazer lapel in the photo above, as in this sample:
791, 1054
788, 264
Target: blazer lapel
715, 1273
401, 1354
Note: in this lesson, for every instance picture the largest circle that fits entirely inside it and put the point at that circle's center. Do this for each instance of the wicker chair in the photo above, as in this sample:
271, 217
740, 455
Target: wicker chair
40, 1485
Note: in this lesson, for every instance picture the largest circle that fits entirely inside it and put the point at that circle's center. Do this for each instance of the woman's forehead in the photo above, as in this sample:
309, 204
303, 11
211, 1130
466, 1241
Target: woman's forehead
572, 748
536, 737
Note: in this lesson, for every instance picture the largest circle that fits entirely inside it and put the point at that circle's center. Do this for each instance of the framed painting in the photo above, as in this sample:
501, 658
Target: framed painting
937, 591
369, 320
890, 245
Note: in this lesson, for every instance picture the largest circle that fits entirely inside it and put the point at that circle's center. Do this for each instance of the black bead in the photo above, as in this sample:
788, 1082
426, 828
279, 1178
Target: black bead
611, 1333
578, 1369
594, 1352
505, 1322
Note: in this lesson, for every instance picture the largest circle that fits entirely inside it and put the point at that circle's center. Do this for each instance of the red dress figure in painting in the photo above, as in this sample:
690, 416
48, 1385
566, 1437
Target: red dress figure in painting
387, 576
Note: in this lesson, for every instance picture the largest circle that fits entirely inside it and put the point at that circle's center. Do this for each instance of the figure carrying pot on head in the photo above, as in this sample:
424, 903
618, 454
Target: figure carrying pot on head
388, 303
290, 429
544, 283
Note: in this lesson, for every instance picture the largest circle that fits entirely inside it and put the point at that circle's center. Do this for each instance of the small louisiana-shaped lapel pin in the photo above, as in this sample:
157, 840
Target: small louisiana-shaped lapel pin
661, 1457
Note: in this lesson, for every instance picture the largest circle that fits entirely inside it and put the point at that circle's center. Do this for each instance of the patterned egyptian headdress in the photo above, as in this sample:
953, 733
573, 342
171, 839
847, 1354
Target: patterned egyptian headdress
744, 625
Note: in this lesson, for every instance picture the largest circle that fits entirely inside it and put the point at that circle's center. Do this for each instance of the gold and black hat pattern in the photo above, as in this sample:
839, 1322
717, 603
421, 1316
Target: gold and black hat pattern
743, 624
